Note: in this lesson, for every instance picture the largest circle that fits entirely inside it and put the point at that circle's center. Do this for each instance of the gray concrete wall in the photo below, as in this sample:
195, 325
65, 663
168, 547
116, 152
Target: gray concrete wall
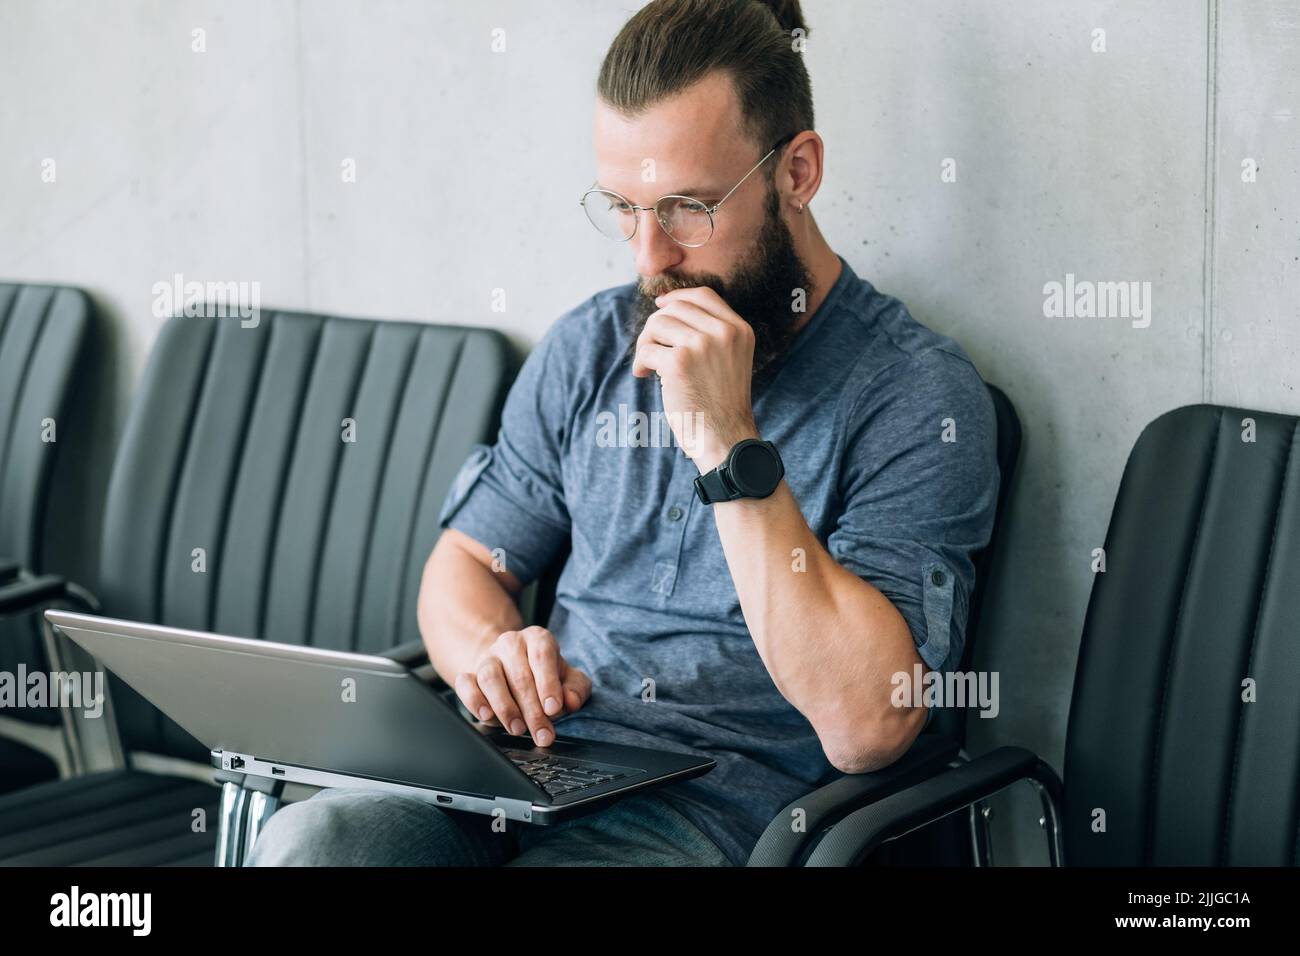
1122, 165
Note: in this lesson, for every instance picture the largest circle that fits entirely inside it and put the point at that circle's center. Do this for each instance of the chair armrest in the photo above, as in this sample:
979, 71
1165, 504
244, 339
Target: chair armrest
24, 592
415, 657
850, 840
781, 845
430, 676
21, 594
412, 653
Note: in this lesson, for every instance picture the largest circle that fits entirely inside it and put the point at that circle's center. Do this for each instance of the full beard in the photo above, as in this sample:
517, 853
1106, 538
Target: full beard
761, 291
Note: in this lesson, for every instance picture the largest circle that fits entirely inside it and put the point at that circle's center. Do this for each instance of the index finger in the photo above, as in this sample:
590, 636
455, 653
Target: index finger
544, 658
706, 299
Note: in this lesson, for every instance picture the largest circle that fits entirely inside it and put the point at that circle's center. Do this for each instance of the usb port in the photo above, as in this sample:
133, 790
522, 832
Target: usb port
442, 799
277, 771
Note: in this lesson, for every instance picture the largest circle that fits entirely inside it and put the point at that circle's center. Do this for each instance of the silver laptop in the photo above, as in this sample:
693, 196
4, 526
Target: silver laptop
334, 719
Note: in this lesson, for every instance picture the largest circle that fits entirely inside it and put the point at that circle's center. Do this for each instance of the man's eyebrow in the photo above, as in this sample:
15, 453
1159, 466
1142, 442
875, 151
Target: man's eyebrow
692, 193
695, 192
597, 185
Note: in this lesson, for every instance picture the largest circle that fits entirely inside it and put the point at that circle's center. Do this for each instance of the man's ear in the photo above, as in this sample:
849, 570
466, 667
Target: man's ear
801, 170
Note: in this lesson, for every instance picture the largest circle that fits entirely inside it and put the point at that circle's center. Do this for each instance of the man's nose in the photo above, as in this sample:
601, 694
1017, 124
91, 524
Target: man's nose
655, 252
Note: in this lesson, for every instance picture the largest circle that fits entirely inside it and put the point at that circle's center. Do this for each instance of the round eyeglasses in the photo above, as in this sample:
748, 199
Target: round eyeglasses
687, 221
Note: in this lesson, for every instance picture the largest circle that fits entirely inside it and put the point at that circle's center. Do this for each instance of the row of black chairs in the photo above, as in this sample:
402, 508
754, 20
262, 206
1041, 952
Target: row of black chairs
234, 506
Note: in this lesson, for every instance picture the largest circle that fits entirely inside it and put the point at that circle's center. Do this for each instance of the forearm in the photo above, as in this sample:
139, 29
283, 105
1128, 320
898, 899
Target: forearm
830, 640
463, 607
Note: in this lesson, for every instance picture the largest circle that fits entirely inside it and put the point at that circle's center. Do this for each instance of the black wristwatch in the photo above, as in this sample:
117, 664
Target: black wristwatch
752, 469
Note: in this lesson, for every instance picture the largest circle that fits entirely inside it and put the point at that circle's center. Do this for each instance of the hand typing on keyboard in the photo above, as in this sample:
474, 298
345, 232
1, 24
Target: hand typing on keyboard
522, 681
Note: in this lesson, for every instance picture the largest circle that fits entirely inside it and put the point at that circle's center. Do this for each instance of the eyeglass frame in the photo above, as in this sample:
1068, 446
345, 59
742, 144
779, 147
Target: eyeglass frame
709, 210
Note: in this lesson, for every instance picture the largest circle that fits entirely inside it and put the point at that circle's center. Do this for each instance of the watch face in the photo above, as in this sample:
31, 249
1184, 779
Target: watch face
755, 470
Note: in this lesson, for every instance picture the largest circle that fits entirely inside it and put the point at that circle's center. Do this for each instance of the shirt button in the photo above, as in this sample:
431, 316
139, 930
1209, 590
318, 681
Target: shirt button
937, 578
674, 513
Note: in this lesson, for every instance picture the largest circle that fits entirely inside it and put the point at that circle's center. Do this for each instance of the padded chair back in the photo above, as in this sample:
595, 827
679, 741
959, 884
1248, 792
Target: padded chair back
43, 333
947, 841
284, 482
1183, 745
951, 721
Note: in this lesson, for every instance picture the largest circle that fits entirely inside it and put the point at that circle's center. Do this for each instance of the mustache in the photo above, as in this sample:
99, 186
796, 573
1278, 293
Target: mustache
655, 286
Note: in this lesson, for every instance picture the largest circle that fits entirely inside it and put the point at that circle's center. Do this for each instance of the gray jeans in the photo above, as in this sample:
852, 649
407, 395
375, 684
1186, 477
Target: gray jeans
370, 828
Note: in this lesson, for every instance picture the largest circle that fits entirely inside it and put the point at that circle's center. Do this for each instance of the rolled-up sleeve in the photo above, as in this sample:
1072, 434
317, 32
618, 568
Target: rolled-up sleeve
919, 486
509, 496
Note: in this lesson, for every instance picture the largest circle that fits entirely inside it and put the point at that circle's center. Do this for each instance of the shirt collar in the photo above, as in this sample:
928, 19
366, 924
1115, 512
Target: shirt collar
846, 278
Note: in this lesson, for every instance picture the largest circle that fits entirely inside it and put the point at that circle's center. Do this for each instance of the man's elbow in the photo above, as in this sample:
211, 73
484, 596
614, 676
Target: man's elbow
867, 746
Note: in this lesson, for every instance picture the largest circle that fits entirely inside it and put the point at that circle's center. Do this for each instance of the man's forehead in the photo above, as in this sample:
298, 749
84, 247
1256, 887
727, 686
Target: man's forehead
692, 139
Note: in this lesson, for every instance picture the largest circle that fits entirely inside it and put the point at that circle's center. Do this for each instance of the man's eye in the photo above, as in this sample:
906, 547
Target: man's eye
690, 205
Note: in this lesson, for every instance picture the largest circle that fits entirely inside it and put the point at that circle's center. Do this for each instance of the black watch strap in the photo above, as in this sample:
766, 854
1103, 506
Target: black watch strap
712, 486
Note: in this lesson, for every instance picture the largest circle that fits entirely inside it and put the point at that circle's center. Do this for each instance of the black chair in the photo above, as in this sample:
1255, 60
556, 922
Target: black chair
236, 505
1183, 741
44, 331
782, 844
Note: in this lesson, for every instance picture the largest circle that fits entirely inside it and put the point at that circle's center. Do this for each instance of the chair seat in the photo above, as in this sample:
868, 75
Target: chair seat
111, 818
21, 766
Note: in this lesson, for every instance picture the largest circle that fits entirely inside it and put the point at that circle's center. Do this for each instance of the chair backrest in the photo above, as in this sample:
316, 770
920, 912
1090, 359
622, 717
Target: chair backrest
947, 720
43, 330
283, 482
43, 335
951, 721
1183, 744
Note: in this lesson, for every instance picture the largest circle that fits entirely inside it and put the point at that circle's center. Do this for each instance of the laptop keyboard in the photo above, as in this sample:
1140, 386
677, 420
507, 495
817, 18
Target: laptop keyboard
557, 775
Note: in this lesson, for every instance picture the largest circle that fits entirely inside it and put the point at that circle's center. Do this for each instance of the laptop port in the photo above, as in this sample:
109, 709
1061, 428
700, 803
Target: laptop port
236, 763
442, 799
277, 771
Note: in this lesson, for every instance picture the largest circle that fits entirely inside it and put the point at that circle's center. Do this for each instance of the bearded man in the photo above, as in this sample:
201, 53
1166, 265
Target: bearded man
747, 591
